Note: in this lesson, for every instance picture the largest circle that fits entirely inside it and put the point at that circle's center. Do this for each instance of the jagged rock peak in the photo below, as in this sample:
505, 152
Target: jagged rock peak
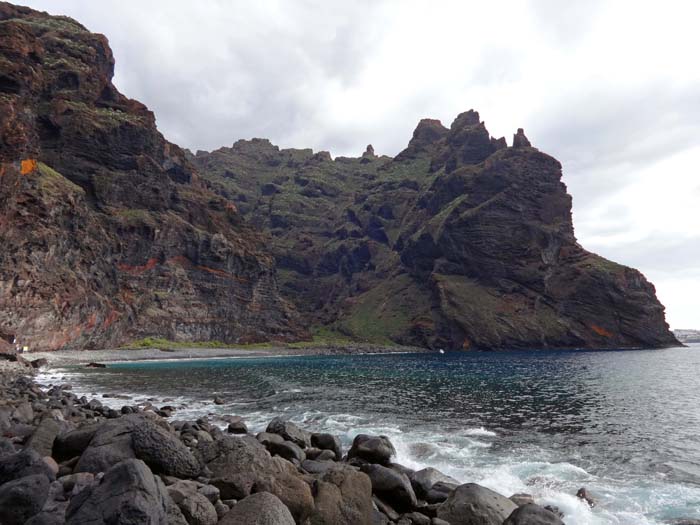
468, 118
520, 140
369, 152
428, 132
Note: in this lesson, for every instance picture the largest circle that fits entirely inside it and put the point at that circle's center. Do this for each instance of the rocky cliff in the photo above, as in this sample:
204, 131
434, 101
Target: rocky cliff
110, 233
107, 232
459, 241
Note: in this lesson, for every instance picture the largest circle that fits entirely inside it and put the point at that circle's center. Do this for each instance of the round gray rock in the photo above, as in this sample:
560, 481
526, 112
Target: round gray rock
472, 504
261, 508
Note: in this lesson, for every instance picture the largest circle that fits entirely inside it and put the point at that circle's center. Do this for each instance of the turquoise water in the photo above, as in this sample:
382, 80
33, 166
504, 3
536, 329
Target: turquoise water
624, 424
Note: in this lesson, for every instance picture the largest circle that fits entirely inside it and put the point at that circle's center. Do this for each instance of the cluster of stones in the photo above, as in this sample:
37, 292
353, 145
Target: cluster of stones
67, 459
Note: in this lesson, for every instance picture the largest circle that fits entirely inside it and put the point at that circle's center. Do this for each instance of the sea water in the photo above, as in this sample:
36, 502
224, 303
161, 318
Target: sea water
624, 424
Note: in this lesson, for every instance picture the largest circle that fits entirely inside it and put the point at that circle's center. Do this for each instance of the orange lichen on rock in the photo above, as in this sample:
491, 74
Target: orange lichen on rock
466, 344
27, 166
601, 331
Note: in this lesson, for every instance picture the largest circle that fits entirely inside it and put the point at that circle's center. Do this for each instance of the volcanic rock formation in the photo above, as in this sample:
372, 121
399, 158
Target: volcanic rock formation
107, 232
459, 241
110, 233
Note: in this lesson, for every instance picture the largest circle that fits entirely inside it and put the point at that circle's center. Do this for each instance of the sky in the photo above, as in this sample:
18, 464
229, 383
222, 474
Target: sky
610, 88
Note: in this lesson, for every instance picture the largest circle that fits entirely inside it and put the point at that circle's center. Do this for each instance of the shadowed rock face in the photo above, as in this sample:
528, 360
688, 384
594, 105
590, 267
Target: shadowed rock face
459, 242
108, 233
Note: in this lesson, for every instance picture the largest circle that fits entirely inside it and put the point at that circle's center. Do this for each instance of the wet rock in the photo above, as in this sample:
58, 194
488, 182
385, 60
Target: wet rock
38, 363
266, 438
128, 493
261, 508
327, 442
375, 449
237, 427
219, 401
289, 431
521, 499
22, 498
424, 480
531, 514
472, 504
391, 486
584, 495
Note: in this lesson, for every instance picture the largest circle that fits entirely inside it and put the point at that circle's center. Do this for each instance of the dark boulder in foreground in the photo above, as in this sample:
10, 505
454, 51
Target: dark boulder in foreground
261, 508
23, 498
472, 504
128, 493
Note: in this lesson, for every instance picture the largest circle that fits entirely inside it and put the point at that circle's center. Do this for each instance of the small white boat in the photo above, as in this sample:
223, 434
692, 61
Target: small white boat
441, 351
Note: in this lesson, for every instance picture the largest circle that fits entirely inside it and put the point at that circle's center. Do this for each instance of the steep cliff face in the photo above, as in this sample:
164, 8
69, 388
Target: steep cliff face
107, 231
460, 241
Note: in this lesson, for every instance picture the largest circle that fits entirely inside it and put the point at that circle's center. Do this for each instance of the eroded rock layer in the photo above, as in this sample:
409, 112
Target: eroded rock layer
107, 232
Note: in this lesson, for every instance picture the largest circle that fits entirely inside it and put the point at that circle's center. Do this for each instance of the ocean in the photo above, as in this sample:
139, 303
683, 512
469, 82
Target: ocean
624, 424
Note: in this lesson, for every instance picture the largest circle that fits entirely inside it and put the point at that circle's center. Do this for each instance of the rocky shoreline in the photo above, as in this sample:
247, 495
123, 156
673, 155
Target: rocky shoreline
69, 459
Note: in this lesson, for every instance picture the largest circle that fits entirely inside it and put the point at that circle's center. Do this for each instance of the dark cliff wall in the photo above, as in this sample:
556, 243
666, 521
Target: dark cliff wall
107, 232
459, 241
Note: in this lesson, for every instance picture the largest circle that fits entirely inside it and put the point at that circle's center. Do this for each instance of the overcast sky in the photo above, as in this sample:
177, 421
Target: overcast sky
612, 89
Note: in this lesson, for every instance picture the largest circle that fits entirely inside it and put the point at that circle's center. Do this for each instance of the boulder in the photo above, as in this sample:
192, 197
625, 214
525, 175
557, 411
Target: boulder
425, 479
342, 496
327, 442
38, 363
163, 452
284, 481
266, 438
24, 463
521, 499
22, 498
195, 507
110, 445
261, 508
472, 504
74, 442
584, 495
44, 436
128, 493
6, 447
316, 467
289, 431
374, 449
237, 427
531, 514
416, 518
391, 486
287, 450
235, 464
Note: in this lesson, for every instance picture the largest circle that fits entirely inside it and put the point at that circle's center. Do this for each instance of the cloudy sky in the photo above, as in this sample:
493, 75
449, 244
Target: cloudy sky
612, 89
